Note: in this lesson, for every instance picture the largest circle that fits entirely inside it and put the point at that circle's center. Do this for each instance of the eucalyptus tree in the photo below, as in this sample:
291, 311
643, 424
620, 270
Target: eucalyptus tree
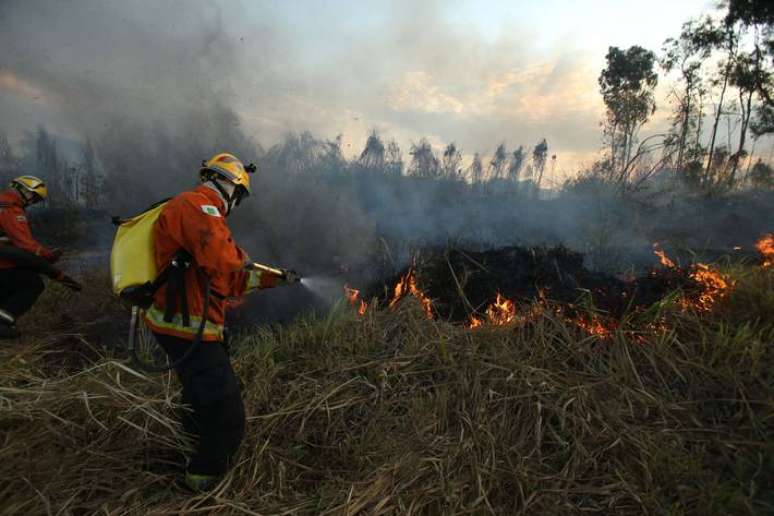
627, 84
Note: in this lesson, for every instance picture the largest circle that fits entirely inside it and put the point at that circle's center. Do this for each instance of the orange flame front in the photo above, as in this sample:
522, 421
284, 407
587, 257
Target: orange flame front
502, 311
475, 322
408, 285
714, 285
766, 247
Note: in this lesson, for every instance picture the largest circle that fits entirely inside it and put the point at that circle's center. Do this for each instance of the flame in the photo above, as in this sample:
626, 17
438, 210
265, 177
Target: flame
353, 295
665, 261
502, 311
714, 286
766, 247
408, 285
594, 327
475, 322
400, 289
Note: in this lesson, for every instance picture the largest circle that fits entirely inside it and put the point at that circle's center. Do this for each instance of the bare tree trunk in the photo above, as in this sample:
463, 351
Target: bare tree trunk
684, 129
746, 113
697, 141
627, 144
612, 147
717, 121
750, 157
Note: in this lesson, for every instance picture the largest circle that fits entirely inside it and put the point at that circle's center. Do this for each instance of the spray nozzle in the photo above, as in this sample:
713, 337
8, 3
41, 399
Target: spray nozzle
292, 276
288, 275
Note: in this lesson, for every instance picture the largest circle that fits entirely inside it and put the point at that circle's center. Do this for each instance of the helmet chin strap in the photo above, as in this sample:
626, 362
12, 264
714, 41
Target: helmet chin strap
28, 197
228, 199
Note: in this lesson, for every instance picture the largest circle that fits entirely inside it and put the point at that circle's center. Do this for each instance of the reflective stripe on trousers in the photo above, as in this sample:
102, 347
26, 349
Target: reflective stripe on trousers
155, 318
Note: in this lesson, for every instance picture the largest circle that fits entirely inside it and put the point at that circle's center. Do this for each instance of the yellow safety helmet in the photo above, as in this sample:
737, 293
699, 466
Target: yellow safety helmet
227, 166
31, 184
230, 168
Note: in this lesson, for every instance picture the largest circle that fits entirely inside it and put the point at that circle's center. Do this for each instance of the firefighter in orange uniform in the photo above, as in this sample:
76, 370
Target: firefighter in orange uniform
195, 221
20, 287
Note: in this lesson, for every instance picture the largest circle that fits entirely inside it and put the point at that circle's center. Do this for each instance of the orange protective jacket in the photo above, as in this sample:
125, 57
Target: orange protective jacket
195, 221
15, 230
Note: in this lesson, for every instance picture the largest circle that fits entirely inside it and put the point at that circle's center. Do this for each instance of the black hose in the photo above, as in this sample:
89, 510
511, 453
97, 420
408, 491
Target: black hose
191, 349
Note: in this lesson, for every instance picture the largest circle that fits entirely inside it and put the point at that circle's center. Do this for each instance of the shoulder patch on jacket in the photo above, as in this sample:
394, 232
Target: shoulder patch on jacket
210, 210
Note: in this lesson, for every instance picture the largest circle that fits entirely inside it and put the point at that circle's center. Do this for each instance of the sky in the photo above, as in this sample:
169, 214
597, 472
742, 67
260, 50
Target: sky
476, 73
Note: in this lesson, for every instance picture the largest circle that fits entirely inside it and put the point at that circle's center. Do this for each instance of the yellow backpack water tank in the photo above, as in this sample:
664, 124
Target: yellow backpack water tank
132, 260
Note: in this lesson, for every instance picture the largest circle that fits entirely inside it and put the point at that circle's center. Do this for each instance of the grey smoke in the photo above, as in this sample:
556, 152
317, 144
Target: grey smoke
159, 86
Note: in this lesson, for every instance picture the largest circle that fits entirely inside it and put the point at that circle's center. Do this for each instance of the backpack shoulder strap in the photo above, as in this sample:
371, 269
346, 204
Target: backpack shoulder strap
117, 221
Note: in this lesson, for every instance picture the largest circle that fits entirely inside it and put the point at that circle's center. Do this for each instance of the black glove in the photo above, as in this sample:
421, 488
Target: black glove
56, 254
291, 276
246, 261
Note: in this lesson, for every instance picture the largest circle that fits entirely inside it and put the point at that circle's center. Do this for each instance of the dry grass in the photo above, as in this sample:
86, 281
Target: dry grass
392, 413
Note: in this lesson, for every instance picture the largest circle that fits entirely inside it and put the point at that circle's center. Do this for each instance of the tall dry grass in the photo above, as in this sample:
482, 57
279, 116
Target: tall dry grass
395, 414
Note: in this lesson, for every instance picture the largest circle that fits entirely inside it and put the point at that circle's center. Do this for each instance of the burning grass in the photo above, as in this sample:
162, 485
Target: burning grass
461, 285
765, 246
392, 412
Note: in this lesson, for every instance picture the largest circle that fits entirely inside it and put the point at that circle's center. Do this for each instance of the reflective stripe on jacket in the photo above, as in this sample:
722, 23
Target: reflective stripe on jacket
14, 228
194, 221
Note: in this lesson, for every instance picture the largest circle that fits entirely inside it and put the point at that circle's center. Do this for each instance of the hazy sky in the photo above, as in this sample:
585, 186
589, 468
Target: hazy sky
474, 72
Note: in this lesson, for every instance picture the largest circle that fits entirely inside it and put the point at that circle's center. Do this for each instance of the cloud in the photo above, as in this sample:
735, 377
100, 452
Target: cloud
25, 90
559, 94
417, 91
517, 78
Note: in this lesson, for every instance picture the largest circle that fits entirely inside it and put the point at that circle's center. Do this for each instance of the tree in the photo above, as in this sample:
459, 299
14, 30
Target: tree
515, 164
475, 170
450, 161
685, 56
9, 165
758, 15
332, 161
539, 155
744, 76
48, 165
627, 85
372, 156
499, 160
762, 176
423, 160
725, 39
300, 154
90, 182
394, 159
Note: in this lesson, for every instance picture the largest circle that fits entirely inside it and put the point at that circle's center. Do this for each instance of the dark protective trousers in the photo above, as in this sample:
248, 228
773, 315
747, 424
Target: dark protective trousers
211, 389
19, 289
